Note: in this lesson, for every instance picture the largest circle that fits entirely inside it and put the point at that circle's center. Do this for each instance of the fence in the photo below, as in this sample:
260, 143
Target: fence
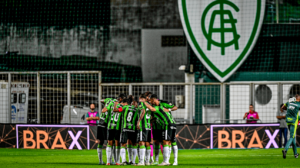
63, 97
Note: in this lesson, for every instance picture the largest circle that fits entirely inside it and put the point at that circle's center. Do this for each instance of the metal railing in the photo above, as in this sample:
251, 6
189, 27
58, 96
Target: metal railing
236, 121
63, 97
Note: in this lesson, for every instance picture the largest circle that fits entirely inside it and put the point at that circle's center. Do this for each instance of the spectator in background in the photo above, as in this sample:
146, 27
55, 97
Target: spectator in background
251, 116
283, 126
92, 116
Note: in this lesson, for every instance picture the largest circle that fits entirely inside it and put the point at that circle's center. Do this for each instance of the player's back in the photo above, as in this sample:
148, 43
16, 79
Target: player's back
130, 116
164, 117
292, 111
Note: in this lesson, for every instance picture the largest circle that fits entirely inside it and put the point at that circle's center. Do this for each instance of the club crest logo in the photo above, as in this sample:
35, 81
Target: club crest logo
222, 33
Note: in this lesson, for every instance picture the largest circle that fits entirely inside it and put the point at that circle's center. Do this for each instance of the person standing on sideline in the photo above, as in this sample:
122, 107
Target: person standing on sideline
92, 117
282, 127
292, 117
251, 115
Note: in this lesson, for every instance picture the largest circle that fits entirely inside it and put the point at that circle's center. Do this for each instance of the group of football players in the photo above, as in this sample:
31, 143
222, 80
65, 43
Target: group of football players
138, 126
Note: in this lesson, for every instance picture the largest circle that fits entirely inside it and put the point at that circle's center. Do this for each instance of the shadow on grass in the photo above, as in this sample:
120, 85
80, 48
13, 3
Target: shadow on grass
196, 165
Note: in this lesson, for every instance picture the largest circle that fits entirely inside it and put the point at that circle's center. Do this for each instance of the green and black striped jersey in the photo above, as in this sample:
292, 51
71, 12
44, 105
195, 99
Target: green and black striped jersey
166, 104
129, 117
104, 117
145, 122
157, 125
115, 120
163, 117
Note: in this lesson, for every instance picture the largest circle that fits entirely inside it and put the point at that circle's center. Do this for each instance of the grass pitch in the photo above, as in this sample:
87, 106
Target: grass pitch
31, 158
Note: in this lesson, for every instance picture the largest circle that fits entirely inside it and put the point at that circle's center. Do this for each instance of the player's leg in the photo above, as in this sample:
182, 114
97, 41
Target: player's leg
295, 147
142, 143
101, 136
151, 146
113, 153
157, 146
157, 134
165, 153
148, 148
129, 150
142, 153
166, 143
123, 141
123, 153
134, 153
294, 142
171, 130
174, 144
289, 142
134, 141
110, 139
118, 147
175, 152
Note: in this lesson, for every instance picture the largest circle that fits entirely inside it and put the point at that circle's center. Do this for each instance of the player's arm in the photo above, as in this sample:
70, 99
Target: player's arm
151, 108
166, 110
170, 106
174, 108
140, 118
104, 110
283, 107
115, 107
120, 109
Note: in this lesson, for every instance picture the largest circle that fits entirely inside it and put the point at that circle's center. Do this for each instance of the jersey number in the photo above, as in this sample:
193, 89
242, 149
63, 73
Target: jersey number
148, 116
291, 107
129, 117
117, 117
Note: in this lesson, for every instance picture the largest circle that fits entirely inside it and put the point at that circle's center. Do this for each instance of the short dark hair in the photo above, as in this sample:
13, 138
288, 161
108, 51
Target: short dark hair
143, 96
122, 95
154, 96
147, 93
127, 100
251, 105
281, 105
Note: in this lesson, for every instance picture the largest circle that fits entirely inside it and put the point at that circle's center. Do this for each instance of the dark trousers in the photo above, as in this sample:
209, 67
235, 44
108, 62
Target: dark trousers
284, 132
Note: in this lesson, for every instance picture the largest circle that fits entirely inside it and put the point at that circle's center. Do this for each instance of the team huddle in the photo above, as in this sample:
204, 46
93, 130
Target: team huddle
137, 125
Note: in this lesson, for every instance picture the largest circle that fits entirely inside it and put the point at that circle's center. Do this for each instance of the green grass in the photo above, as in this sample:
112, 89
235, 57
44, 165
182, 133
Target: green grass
266, 158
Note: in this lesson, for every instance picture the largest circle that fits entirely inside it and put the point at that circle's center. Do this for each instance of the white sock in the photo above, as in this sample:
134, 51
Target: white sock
148, 152
108, 154
113, 155
129, 150
165, 154
156, 155
134, 152
123, 154
138, 153
117, 155
170, 150
142, 155
169, 154
99, 150
175, 152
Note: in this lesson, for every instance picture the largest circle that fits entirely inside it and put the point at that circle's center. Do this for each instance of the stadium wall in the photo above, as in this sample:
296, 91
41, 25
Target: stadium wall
188, 136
